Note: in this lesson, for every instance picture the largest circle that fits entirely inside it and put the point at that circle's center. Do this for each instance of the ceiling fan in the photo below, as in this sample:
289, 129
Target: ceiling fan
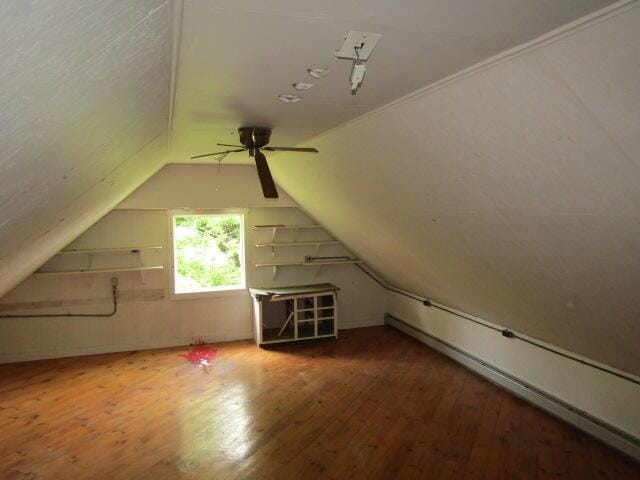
254, 141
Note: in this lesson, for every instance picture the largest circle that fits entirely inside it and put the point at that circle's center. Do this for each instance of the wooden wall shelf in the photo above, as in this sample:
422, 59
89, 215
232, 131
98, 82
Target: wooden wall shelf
274, 229
308, 264
318, 264
108, 251
295, 244
278, 227
157, 268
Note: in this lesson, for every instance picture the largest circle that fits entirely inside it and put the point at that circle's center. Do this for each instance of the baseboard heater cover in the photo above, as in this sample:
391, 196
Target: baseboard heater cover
612, 436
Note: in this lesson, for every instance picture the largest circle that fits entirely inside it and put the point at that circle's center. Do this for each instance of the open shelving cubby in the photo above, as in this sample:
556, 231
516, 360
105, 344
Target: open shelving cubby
290, 314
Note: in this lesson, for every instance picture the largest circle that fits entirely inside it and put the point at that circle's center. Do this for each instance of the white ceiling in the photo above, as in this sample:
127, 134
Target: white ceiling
236, 56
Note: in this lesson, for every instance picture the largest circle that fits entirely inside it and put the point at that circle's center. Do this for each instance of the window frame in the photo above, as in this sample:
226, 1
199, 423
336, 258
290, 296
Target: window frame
221, 292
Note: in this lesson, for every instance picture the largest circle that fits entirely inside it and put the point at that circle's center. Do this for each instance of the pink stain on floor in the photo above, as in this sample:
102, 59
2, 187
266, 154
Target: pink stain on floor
201, 355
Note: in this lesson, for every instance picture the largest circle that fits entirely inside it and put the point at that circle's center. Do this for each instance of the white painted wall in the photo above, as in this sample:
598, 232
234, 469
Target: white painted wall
602, 395
509, 191
147, 317
204, 186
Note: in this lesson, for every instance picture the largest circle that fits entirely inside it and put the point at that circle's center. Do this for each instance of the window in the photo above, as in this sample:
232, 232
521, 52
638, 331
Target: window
208, 253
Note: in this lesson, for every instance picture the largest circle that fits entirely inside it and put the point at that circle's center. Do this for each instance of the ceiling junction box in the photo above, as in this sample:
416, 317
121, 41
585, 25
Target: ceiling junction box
364, 42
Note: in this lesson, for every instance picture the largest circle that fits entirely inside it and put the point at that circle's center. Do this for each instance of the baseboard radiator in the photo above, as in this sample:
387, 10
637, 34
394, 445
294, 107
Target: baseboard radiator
612, 436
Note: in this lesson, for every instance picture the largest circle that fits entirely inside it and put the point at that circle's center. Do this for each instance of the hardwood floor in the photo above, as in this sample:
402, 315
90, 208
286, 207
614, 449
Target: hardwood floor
375, 404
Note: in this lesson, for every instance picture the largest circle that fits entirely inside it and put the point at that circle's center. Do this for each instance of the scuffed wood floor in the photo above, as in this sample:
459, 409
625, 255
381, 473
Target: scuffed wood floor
374, 405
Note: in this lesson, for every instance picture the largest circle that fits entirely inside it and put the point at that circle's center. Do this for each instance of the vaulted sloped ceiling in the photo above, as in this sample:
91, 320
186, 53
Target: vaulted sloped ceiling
512, 192
84, 87
238, 55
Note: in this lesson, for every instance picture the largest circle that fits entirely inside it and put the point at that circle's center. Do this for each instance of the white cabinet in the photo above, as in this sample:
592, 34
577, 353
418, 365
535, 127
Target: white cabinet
287, 314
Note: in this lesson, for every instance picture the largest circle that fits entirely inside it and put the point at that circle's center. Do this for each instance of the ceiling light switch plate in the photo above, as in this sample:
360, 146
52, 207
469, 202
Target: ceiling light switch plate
366, 41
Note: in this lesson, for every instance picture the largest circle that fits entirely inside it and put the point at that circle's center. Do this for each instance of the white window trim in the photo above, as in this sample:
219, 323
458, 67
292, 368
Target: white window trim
226, 292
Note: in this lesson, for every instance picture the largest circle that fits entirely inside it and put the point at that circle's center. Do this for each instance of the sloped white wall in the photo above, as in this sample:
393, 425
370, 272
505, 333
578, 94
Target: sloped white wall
509, 192
147, 317
85, 88
74, 219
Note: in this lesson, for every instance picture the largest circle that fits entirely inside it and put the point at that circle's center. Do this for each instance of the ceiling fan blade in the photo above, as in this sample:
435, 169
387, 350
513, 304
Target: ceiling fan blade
290, 149
227, 145
266, 180
218, 153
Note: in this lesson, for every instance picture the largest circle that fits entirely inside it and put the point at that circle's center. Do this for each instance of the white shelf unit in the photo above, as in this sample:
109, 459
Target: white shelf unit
156, 268
274, 229
91, 252
319, 264
283, 226
108, 251
296, 244
311, 243
296, 313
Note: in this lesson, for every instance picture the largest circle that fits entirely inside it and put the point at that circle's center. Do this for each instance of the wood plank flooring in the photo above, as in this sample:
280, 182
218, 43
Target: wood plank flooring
375, 404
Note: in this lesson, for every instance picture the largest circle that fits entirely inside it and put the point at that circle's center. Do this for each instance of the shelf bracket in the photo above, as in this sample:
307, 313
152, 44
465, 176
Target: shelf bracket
317, 271
274, 272
273, 234
143, 277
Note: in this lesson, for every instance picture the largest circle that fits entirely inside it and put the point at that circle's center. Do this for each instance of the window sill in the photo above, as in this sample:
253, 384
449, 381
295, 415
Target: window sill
233, 292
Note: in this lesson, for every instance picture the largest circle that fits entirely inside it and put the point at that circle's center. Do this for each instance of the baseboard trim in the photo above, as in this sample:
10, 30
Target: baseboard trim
114, 348
360, 324
147, 345
612, 436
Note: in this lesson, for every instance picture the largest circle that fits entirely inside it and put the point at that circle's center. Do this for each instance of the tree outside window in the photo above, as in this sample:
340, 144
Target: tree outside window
208, 253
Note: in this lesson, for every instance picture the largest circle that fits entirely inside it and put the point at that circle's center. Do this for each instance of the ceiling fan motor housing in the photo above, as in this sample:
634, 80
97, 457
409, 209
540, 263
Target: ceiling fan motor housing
254, 140
254, 137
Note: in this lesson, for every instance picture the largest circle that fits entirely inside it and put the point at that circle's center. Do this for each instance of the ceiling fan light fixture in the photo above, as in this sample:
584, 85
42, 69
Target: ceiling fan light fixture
318, 72
289, 98
303, 85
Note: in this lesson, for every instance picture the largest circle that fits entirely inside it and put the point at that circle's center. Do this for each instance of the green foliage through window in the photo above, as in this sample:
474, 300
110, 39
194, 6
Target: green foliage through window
208, 251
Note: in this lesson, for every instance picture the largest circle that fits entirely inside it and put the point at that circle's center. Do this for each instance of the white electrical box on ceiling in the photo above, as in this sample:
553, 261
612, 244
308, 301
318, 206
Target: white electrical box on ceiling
362, 42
